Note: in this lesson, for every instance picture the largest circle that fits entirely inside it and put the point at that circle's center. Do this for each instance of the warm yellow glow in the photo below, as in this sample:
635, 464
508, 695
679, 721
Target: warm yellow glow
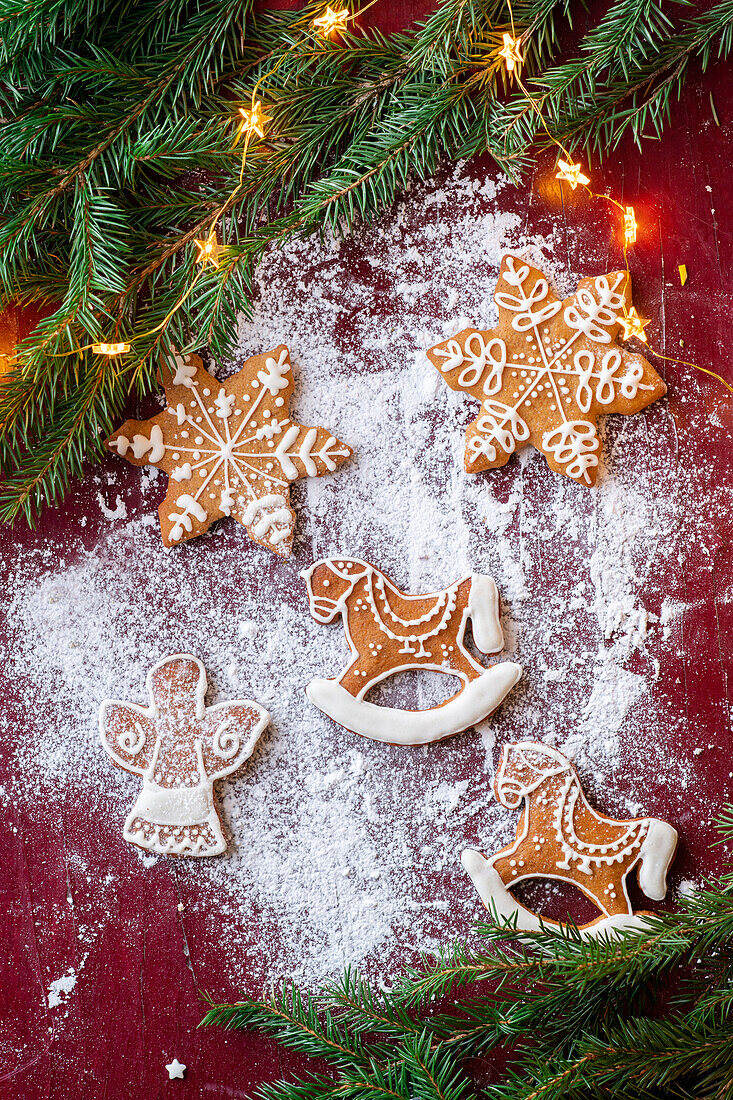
634, 325
510, 53
683, 274
110, 349
208, 252
332, 21
254, 119
571, 173
629, 225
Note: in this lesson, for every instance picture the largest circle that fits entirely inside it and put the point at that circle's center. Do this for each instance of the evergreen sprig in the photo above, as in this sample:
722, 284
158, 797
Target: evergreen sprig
117, 152
645, 1014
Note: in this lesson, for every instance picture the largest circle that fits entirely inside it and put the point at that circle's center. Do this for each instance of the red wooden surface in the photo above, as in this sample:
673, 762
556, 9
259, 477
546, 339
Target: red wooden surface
138, 1005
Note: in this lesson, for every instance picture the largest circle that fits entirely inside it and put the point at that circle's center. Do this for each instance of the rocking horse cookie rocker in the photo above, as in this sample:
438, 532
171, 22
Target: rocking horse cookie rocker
180, 747
389, 631
560, 836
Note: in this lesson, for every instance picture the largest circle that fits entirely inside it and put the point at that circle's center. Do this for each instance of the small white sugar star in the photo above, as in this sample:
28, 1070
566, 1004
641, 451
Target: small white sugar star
175, 1069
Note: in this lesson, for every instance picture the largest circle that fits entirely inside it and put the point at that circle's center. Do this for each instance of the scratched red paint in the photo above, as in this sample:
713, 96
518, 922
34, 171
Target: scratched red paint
138, 1004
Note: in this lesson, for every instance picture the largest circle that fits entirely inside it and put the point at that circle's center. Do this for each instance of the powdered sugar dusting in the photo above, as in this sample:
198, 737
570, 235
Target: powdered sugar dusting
344, 850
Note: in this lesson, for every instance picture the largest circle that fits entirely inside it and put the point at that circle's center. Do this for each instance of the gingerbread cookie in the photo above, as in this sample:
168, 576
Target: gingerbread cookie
388, 631
229, 449
547, 371
559, 836
180, 747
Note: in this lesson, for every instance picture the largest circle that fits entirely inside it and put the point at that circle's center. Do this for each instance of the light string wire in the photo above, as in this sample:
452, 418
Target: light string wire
254, 121
571, 173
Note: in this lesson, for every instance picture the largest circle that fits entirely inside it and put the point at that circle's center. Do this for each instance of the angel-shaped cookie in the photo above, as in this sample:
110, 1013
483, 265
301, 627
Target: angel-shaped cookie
180, 747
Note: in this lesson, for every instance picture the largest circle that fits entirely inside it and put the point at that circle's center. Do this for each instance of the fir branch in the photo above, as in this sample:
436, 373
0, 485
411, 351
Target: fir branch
116, 109
575, 1017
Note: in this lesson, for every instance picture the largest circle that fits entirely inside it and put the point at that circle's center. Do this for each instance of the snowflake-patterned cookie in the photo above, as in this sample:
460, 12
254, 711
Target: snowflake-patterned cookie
229, 449
547, 371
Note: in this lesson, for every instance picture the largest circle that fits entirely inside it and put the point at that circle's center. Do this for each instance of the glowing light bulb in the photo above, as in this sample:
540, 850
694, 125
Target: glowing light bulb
255, 120
510, 52
110, 349
571, 173
634, 325
629, 225
332, 21
208, 251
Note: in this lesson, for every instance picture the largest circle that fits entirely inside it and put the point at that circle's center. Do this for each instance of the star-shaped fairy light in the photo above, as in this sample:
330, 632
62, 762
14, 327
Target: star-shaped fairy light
254, 119
332, 21
571, 173
229, 448
208, 251
547, 371
510, 52
634, 325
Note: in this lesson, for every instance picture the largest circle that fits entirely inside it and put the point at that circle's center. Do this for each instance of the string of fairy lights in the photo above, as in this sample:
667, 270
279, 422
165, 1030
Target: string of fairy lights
254, 126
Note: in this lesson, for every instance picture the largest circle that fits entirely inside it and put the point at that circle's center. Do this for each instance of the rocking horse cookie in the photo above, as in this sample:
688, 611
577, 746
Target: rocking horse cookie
559, 836
389, 631
180, 747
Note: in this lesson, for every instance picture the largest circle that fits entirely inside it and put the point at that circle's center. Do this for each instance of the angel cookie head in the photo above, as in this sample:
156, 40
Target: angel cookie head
548, 370
229, 449
180, 747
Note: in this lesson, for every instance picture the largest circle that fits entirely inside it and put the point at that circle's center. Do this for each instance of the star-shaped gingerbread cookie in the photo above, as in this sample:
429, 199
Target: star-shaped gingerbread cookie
229, 449
548, 370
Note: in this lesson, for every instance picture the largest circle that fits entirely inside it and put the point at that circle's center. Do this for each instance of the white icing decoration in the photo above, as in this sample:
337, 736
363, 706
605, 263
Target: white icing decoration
130, 742
183, 522
226, 501
141, 444
477, 353
121, 444
274, 517
224, 404
273, 376
591, 313
416, 727
225, 744
482, 689
180, 818
498, 424
574, 444
285, 455
182, 473
185, 371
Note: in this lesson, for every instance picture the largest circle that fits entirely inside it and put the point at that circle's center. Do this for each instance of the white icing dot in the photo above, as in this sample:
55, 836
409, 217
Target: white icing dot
255, 384
197, 454
279, 401
266, 413
206, 392
176, 456
184, 435
199, 440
